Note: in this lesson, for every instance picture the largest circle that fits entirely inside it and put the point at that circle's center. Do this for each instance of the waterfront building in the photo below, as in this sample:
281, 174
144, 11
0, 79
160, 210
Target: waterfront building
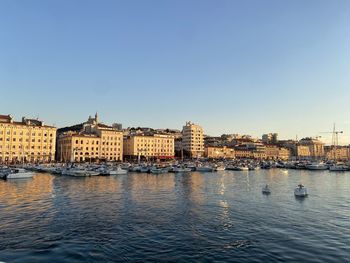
302, 152
193, 140
156, 146
89, 141
29, 140
270, 138
339, 153
316, 147
284, 154
216, 152
272, 152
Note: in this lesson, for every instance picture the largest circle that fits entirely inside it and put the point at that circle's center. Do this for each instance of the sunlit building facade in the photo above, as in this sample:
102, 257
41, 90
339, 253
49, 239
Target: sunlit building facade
89, 142
193, 140
156, 146
29, 140
217, 152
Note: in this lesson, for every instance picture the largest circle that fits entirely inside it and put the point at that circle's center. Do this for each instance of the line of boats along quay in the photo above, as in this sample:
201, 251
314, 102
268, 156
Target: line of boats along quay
26, 171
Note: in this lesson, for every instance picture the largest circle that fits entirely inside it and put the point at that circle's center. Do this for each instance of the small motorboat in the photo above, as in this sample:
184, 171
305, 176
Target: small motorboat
300, 191
118, 171
19, 173
266, 190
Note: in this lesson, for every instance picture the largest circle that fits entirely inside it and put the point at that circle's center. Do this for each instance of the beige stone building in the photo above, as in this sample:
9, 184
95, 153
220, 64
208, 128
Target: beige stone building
158, 146
302, 151
216, 152
315, 146
284, 154
340, 153
193, 140
274, 152
89, 142
26, 141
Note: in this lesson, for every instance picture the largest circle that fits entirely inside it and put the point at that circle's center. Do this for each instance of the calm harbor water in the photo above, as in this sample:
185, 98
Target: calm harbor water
196, 217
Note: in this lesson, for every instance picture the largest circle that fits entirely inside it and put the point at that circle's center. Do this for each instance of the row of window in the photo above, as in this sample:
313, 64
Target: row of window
27, 133
26, 147
27, 140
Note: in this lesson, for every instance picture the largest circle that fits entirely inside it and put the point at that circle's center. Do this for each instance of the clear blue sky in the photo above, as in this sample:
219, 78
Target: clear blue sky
232, 66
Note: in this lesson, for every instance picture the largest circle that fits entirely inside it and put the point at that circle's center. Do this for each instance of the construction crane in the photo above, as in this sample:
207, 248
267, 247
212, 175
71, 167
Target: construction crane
335, 139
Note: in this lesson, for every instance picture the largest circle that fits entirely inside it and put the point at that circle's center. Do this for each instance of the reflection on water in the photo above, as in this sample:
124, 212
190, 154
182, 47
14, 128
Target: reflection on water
172, 217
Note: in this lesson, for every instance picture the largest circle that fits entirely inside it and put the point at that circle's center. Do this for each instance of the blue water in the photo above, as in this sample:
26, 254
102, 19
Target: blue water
198, 217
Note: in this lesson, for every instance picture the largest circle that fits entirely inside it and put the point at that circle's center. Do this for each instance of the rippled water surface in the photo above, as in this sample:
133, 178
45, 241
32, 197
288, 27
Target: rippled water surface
195, 217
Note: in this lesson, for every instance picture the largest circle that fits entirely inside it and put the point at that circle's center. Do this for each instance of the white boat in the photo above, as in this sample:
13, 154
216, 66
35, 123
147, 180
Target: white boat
317, 166
19, 173
300, 191
118, 171
338, 168
266, 189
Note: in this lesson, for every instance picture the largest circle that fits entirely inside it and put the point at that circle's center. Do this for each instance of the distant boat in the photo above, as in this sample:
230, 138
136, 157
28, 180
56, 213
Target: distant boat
266, 189
156, 170
181, 170
300, 191
19, 173
338, 168
317, 166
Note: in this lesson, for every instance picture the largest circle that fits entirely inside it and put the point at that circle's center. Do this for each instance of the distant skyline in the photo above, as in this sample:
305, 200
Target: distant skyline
247, 67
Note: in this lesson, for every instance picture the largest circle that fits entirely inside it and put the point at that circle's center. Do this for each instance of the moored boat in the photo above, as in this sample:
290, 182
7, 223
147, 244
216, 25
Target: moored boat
19, 173
300, 191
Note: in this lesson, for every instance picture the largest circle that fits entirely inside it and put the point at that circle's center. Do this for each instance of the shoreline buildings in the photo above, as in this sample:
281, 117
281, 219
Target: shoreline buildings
29, 140
90, 141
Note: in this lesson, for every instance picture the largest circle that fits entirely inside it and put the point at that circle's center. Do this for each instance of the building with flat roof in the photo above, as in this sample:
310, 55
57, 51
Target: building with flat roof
193, 140
29, 140
156, 146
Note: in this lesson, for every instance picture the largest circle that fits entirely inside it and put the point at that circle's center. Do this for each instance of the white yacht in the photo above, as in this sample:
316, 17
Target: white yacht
300, 191
117, 171
266, 189
317, 166
19, 173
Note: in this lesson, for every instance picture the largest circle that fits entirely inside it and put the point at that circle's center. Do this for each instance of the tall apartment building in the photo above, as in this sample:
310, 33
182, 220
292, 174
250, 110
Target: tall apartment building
89, 141
159, 146
193, 140
28, 140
